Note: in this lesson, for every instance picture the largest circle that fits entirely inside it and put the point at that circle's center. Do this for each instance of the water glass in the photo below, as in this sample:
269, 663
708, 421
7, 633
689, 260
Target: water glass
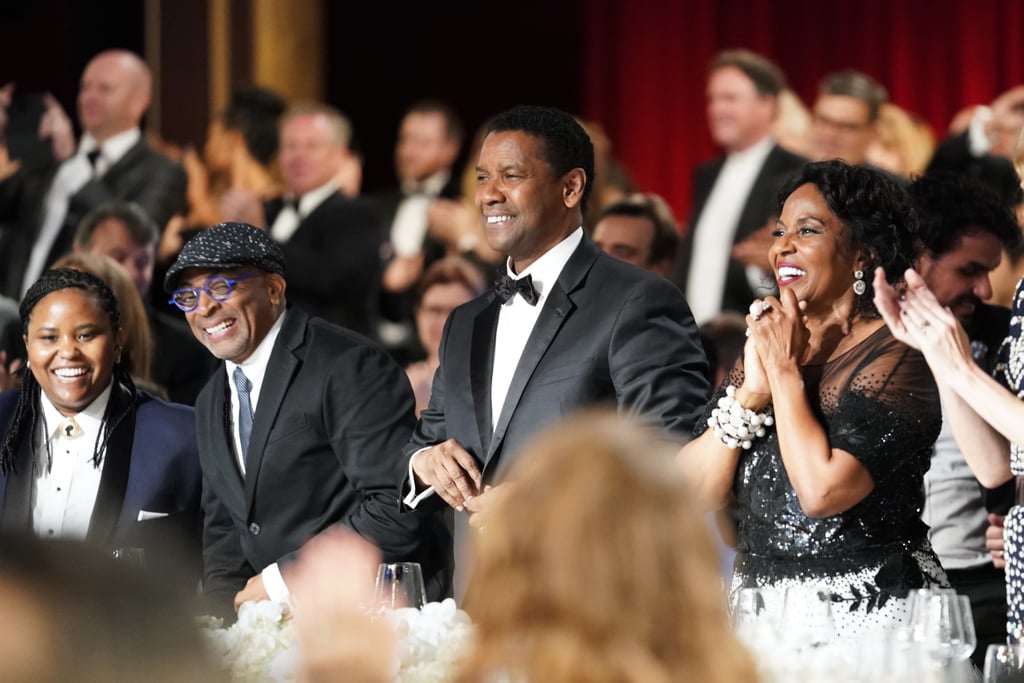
399, 584
1003, 664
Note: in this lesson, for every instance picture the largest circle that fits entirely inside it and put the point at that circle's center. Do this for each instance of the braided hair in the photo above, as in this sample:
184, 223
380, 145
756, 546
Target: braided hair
27, 412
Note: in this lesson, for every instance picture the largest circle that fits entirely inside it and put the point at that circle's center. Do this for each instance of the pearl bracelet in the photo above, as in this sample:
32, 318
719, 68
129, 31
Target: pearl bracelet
735, 425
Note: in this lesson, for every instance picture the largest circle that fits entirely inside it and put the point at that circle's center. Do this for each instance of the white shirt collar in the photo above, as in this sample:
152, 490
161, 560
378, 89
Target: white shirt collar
314, 198
255, 366
431, 186
114, 148
89, 419
546, 269
755, 153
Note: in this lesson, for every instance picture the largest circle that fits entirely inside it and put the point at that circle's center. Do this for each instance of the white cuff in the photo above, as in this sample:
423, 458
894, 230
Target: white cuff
274, 584
412, 499
977, 141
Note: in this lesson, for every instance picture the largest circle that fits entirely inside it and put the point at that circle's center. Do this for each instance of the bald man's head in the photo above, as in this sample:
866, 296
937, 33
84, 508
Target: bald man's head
114, 93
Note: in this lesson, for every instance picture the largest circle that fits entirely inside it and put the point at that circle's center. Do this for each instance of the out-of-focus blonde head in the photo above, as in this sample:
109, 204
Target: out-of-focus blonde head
904, 145
597, 568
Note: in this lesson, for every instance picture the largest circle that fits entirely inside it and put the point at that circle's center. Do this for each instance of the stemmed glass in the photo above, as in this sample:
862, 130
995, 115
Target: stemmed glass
944, 624
399, 584
1003, 664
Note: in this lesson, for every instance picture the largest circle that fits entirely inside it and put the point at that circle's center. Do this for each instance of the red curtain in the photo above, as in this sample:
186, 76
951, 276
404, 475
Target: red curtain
646, 64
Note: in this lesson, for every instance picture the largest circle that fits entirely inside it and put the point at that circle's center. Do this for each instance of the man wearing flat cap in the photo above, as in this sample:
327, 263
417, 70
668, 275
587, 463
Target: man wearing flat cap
299, 429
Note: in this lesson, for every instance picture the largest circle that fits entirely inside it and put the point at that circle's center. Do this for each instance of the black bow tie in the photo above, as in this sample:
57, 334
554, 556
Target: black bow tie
505, 288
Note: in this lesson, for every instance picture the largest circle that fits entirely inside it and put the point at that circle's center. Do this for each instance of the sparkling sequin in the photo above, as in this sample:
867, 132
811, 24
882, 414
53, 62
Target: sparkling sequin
1010, 373
878, 402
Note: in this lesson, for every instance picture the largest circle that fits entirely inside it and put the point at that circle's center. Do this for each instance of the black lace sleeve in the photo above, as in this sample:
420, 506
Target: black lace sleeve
882, 406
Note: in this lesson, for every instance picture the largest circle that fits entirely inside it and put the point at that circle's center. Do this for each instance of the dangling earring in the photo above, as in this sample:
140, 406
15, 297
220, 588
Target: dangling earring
859, 286
117, 355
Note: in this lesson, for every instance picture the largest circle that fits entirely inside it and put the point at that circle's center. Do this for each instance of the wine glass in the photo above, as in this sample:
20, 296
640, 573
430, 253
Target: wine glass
970, 638
948, 627
807, 616
399, 584
1003, 664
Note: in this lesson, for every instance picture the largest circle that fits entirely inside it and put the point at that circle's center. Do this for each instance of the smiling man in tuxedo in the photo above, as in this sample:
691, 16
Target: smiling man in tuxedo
567, 327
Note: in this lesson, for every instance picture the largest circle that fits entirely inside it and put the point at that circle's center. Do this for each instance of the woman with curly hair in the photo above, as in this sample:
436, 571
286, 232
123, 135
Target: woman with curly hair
824, 428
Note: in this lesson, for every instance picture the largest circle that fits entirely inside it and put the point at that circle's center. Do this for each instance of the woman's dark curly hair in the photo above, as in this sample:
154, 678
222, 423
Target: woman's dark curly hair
877, 213
27, 411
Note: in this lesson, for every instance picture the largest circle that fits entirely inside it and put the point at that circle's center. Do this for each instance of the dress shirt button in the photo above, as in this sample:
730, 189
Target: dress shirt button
254, 529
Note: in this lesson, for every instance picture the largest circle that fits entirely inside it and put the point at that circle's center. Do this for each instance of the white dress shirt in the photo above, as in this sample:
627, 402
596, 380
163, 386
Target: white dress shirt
409, 226
716, 229
288, 220
516, 321
63, 496
71, 176
255, 369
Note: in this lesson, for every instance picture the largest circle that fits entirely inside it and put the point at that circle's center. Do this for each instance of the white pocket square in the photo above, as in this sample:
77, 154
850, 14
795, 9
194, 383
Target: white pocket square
146, 514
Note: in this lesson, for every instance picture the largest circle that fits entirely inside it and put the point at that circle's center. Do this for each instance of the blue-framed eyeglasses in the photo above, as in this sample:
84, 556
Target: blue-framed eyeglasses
218, 288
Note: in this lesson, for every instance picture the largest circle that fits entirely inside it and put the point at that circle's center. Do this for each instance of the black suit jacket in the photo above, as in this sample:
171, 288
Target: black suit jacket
609, 334
150, 465
142, 175
333, 414
333, 261
758, 208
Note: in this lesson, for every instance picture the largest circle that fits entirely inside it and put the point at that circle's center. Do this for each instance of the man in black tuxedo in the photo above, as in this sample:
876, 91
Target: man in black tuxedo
300, 428
331, 242
723, 263
429, 139
40, 208
566, 327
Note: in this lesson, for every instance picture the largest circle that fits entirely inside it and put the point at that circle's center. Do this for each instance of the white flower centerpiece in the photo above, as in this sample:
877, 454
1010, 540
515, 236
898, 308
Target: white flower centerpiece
262, 646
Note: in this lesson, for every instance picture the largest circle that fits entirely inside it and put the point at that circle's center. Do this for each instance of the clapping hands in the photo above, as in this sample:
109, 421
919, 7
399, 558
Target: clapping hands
916, 318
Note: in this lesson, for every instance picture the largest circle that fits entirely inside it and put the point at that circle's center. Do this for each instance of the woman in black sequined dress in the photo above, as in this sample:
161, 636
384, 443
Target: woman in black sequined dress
830, 496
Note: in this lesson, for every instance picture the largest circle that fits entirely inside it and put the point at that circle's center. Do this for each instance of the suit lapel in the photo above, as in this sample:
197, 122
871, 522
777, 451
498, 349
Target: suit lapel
17, 503
116, 465
481, 368
557, 308
218, 426
281, 367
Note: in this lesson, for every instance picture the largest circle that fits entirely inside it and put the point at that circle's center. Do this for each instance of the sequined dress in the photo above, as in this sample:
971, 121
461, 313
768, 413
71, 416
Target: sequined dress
1010, 373
877, 401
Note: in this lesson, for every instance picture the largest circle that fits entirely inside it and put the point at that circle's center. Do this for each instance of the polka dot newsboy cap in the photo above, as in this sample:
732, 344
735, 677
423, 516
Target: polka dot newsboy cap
227, 245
